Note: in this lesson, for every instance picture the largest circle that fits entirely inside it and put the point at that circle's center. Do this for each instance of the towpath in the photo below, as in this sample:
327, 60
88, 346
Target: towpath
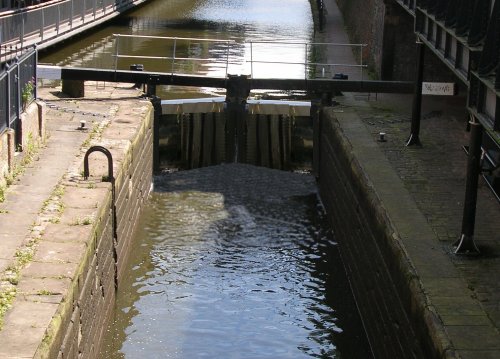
34, 200
434, 176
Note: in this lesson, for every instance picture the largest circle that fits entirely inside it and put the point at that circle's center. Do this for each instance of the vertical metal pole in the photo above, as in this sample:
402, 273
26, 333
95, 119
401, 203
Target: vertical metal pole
72, 14
315, 115
417, 98
227, 57
156, 101
251, 59
35, 73
465, 244
305, 62
117, 51
58, 18
361, 59
173, 55
22, 33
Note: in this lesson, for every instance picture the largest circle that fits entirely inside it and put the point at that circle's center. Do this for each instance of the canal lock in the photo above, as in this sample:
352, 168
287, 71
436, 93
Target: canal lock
203, 132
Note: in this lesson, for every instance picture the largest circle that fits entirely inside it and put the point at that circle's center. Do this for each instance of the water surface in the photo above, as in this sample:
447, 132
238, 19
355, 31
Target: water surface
235, 261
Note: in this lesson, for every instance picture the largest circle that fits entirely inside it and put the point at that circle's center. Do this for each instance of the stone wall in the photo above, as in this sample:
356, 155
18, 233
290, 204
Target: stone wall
379, 275
31, 136
367, 27
388, 30
87, 223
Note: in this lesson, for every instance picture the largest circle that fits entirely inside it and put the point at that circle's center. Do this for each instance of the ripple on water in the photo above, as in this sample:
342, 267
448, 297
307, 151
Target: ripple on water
229, 278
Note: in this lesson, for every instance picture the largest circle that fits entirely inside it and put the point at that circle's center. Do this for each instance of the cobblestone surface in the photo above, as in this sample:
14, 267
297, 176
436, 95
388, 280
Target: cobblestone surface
434, 174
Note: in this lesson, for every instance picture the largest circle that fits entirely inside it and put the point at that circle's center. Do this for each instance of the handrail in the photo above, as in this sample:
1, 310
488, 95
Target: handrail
117, 55
306, 63
174, 58
43, 24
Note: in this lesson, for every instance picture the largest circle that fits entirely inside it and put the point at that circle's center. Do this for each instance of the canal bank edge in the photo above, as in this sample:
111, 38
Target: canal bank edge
66, 292
398, 271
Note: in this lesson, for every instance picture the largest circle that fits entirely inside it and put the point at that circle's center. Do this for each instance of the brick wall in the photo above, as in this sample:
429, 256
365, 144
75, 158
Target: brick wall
380, 285
77, 329
388, 30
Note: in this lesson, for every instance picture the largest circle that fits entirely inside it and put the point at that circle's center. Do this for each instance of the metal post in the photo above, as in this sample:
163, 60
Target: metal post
237, 92
315, 115
151, 84
173, 55
417, 98
58, 18
117, 51
227, 58
156, 101
305, 62
35, 73
361, 59
251, 59
465, 244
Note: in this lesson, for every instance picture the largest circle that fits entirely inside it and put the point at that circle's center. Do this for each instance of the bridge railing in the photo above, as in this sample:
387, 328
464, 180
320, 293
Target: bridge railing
312, 68
178, 52
44, 23
17, 88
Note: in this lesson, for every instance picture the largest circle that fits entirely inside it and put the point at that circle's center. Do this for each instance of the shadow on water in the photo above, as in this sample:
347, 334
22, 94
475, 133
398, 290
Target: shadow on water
235, 261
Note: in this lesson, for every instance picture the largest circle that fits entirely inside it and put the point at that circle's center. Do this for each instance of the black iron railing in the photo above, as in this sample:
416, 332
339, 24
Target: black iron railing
17, 88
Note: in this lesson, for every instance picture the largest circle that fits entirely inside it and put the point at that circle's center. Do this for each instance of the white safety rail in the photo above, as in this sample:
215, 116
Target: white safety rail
173, 55
176, 50
312, 69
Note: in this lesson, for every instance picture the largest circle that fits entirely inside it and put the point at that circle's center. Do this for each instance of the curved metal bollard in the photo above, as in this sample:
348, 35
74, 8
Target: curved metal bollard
111, 179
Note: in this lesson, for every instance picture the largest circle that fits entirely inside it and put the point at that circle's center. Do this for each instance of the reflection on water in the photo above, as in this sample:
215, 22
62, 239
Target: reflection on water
234, 261
241, 21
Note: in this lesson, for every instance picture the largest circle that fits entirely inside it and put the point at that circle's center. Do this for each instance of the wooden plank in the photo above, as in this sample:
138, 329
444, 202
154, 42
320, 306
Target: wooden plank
197, 140
286, 130
208, 139
251, 141
220, 137
275, 139
185, 139
263, 132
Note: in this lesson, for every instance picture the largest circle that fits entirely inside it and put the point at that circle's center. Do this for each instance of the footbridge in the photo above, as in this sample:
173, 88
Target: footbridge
233, 128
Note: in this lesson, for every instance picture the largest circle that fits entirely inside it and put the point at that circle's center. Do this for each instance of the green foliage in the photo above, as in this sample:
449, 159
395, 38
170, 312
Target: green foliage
28, 92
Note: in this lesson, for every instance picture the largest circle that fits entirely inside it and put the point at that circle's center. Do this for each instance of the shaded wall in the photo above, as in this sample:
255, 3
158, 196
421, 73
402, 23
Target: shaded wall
381, 283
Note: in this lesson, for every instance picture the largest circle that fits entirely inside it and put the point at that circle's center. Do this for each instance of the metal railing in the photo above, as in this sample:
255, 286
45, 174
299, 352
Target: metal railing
17, 88
42, 23
179, 53
311, 67
213, 56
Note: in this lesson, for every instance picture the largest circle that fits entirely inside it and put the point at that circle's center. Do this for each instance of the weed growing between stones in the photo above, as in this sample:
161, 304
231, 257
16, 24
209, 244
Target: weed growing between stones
51, 212
7, 295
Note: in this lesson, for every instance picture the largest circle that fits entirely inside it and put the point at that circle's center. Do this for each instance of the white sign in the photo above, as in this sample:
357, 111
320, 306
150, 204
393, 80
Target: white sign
439, 88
